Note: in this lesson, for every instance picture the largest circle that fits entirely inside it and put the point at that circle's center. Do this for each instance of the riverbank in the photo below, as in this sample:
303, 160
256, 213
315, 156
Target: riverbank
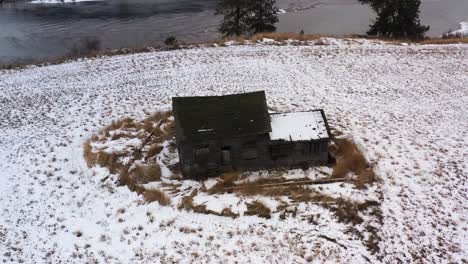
41, 32
278, 39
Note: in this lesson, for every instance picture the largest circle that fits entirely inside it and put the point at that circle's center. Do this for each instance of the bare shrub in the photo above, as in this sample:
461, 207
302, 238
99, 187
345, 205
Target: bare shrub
171, 41
153, 195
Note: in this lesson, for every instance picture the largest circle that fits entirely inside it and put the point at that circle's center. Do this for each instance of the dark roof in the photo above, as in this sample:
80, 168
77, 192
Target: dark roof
220, 117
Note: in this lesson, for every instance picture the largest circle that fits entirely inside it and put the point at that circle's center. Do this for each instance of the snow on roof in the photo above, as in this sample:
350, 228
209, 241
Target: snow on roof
298, 126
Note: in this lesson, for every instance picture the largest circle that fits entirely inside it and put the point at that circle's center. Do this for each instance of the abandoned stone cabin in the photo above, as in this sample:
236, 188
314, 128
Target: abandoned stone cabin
216, 134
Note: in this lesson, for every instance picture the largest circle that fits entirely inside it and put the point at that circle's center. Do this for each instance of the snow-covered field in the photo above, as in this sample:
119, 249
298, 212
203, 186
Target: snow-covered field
405, 105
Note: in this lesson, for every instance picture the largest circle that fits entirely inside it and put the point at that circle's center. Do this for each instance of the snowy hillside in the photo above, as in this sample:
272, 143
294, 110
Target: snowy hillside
405, 105
461, 32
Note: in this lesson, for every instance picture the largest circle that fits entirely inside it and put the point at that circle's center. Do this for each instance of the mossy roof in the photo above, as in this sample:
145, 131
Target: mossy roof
204, 118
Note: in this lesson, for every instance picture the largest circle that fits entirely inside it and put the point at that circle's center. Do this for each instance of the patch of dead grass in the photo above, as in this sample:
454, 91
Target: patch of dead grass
154, 195
227, 181
146, 173
441, 41
109, 160
259, 209
88, 154
141, 173
350, 159
187, 203
154, 150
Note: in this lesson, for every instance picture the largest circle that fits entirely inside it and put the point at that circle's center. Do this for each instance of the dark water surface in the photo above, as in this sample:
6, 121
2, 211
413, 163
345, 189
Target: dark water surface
42, 31
31, 32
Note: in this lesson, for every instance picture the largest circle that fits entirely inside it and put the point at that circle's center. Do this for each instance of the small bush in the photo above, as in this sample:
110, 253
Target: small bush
171, 41
156, 195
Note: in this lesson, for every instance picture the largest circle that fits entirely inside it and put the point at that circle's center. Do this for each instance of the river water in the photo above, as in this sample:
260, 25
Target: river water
34, 32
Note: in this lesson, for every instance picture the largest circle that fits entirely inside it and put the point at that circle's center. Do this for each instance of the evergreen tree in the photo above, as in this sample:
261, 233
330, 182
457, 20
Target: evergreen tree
234, 12
397, 19
262, 16
243, 17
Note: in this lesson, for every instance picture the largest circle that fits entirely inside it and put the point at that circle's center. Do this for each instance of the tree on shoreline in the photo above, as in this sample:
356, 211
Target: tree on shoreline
244, 17
396, 19
262, 16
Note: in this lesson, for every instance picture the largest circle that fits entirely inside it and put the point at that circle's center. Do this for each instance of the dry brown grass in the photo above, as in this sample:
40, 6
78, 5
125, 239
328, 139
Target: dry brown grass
278, 36
118, 124
125, 179
441, 41
187, 203
170, 129
274, 35
154, 150
259, 209
351, 159
154, 195
163, 115
88, 154
146, 173
227, 181
271, 187
139, 174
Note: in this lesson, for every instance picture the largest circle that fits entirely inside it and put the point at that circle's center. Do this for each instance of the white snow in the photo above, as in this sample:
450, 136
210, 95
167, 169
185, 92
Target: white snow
60, 1
117, 146
298, 126
462, 31
398, 103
